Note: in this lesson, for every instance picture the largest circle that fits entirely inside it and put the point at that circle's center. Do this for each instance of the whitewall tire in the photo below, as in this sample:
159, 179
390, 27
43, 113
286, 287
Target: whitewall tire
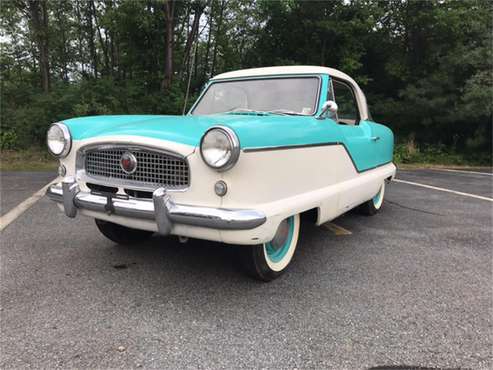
372, 206
269, 260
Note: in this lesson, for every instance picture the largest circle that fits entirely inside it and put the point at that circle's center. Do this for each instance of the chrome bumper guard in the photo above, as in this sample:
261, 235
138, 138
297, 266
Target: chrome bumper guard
160, 208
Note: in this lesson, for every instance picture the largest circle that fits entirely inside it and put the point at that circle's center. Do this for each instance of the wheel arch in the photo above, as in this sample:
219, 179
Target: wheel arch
311, 216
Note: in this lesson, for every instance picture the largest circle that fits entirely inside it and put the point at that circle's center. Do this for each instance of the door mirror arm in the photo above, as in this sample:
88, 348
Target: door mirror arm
329, 107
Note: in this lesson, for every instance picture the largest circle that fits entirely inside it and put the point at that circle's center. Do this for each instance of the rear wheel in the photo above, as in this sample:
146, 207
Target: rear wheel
372, 206
121, 234
269, 260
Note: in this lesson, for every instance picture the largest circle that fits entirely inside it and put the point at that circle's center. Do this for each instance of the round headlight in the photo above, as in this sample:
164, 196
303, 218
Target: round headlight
220, 148
58, 140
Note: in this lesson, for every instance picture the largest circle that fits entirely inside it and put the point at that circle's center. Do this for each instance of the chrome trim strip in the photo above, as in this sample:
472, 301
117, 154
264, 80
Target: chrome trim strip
161, 209
130, 146
283, 147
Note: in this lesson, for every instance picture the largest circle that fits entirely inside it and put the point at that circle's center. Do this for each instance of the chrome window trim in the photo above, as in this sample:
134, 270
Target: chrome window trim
82, 175
352, 87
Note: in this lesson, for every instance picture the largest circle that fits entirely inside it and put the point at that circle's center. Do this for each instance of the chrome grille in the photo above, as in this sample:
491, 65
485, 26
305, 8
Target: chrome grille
154, 168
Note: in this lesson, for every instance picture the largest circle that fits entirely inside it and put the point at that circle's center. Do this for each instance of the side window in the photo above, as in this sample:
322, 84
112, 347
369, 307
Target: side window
347, 112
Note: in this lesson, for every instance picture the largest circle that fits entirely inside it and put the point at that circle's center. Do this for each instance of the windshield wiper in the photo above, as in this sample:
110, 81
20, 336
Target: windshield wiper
285, 112
244, 110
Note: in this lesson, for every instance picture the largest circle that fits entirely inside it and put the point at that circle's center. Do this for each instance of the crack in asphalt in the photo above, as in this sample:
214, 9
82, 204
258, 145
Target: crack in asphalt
413, 209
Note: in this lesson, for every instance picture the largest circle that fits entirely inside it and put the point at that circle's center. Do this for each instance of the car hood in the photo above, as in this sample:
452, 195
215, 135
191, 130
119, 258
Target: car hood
252, 130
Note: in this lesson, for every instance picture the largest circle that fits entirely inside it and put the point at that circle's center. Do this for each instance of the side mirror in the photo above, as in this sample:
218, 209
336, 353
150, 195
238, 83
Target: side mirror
329, 106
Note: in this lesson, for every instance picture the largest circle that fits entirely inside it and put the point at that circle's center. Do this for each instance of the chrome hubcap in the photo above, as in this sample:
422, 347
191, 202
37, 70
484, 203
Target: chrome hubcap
281, 236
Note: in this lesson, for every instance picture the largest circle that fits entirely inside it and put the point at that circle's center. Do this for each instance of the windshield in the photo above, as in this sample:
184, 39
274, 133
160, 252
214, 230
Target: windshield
294, 95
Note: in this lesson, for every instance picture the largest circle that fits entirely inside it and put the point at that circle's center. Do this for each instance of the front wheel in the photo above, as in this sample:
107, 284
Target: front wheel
121, 234
372, 206
269, 260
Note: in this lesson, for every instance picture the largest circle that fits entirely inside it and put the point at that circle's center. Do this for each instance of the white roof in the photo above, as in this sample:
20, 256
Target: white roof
297, 70
283, 70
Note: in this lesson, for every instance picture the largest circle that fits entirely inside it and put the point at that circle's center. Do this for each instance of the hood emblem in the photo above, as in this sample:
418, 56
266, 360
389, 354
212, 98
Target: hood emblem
128, 163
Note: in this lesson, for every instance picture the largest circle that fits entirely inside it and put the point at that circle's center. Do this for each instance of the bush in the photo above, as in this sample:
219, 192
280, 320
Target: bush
408, 152
8, 140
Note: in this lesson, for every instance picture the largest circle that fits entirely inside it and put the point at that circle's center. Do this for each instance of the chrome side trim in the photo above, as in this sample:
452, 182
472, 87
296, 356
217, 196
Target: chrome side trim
283, 147
161, 209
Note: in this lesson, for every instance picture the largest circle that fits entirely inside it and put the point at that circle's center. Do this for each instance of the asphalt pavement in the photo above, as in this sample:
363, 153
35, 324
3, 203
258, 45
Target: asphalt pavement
410, 286
17, 186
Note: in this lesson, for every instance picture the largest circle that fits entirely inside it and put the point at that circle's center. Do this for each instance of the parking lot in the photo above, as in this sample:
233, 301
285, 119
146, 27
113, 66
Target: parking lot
409, 286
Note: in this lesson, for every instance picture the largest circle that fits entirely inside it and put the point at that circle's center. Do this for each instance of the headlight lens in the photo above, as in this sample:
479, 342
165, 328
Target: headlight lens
220, 148
58, 140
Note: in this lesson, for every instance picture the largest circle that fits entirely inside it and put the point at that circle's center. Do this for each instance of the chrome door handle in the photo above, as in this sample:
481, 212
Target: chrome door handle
375, 138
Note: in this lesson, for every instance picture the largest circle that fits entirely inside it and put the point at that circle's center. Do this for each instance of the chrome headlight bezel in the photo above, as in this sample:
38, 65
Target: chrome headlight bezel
234, 148
67, 138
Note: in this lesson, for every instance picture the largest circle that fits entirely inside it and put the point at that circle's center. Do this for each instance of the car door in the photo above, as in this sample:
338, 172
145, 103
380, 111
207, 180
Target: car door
357, 133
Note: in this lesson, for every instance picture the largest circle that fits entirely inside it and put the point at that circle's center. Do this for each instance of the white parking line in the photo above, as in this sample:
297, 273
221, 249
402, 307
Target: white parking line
18, 210
445, 190
462, 171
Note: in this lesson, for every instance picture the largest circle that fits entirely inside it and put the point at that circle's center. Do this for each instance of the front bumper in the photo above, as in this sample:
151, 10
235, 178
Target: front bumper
160, 208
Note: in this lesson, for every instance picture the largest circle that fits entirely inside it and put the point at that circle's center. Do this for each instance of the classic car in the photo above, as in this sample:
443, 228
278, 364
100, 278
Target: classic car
259, 149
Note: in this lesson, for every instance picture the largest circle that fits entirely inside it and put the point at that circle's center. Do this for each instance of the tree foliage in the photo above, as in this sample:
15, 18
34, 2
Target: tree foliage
426, 66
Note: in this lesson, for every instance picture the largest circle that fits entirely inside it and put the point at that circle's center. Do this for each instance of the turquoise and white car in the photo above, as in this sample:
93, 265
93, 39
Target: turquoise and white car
259, 149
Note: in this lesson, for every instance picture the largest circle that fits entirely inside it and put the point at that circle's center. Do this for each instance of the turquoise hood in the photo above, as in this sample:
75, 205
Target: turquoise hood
252, 130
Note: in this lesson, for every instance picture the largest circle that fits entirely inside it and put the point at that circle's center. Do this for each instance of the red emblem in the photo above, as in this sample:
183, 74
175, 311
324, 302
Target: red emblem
128, 163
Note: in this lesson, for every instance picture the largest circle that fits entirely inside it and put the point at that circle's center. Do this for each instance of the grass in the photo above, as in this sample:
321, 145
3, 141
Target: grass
33, 159
417, 166
410, 155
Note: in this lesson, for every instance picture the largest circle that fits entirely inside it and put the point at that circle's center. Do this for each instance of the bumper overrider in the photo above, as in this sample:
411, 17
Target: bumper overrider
160, 208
